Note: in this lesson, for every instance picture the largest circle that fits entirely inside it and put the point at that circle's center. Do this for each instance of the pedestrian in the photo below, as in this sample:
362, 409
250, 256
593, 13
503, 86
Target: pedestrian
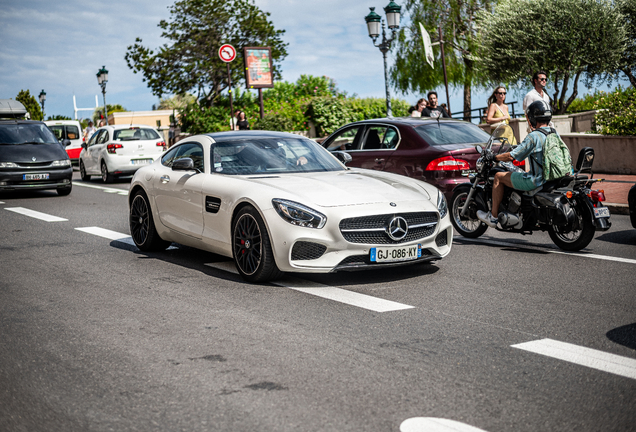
539, 81
242, 123
234, 120
89, 131
498, 114
432, 110
419, 107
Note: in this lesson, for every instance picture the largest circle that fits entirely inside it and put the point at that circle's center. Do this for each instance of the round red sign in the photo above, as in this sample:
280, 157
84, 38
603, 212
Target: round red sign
227, 53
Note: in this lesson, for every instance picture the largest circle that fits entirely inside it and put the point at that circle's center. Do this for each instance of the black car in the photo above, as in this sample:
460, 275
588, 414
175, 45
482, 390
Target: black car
631, 200
31, 157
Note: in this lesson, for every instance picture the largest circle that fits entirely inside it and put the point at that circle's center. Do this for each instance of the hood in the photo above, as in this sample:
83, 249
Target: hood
24, 153
352, 187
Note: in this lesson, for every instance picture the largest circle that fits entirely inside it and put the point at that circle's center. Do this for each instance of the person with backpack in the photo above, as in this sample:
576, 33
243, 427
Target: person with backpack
549, 160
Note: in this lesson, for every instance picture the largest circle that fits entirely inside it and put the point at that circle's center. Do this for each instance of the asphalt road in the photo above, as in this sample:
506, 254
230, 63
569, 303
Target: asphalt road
97, 336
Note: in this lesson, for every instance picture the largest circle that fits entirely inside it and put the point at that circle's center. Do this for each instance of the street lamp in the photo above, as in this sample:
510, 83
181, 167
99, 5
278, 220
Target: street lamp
374, 20
42, 96
102, 79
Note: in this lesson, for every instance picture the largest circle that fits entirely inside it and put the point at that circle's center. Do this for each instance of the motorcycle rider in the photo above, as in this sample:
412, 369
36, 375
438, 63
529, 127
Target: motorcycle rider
538, 116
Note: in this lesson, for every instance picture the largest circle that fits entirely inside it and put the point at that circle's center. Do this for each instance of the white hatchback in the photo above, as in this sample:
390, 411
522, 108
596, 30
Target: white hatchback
119, 150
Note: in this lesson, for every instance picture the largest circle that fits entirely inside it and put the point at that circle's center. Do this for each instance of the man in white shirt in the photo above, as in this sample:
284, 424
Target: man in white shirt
539, 80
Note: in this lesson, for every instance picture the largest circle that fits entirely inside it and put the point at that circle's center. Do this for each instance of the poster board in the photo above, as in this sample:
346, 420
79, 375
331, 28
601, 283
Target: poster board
258, 67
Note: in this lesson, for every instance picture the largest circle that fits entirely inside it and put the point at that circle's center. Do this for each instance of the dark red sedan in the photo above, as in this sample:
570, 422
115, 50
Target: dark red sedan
441, 153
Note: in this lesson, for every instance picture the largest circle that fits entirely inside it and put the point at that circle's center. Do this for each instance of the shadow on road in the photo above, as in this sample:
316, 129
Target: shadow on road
626, 237
625, 335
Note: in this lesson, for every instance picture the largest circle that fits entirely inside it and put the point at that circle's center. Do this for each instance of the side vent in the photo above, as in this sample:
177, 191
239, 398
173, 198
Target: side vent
212, 204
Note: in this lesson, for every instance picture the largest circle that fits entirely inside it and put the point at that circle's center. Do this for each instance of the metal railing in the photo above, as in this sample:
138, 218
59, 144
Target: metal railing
482, 111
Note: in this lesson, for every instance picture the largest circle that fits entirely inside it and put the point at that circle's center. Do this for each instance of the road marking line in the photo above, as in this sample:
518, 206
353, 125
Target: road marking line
2, 202
325, 291
104, 188
113, 235
432, 424
548, 250
591, 358
35, 214
106, 233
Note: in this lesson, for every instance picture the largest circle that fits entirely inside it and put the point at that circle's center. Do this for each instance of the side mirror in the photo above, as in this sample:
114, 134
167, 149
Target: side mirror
84, 146
343, 157
184, 164
586, 160
479, 149
66, 142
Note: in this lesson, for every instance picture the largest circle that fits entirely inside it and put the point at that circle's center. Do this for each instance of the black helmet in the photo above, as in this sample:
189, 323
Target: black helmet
539, 112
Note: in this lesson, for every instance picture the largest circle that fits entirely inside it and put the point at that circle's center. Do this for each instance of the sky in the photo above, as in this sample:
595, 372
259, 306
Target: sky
59, 47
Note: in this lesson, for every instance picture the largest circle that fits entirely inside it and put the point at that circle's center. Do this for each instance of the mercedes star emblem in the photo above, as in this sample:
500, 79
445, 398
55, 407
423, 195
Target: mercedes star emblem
397, 229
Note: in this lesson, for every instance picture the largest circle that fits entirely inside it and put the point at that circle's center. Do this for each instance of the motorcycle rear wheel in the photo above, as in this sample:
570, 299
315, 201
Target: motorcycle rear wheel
468, 226
577, 238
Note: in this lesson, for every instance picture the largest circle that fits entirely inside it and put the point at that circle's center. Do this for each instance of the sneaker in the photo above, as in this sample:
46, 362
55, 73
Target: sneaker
487, 218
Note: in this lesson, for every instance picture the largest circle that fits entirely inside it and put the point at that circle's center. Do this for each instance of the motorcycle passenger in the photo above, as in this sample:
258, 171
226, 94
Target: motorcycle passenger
538, 116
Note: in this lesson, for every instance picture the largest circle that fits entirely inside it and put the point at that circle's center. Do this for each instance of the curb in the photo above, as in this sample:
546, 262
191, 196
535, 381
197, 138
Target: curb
615, 208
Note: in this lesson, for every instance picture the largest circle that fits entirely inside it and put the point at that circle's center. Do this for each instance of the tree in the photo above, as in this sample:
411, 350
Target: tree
59, 117
457, 20
99, 111
176, 102
565, 38
196, 31
628, 59
31, 104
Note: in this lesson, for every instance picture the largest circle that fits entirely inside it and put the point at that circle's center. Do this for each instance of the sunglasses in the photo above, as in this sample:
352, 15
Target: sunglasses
542, 79
501, 93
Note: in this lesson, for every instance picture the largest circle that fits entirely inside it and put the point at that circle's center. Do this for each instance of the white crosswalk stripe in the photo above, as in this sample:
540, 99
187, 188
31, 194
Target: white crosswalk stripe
35, 214
104, 188
591, 358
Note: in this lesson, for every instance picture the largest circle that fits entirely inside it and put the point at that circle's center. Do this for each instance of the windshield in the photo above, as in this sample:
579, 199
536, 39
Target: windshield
26, 133
452, 133
65, 132
133, 134
287, 155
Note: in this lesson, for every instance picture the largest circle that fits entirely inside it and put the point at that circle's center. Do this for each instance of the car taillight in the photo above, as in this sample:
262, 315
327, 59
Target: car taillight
111, 148
598, 195
161, 144
447, 163
521, 164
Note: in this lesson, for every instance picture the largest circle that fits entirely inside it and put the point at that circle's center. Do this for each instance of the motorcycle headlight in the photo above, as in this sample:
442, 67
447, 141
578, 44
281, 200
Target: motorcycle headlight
63, 162
442, 205
479, 165
298, 214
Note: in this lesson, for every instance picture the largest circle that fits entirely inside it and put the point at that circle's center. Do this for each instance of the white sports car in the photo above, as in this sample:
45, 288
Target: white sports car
277, 202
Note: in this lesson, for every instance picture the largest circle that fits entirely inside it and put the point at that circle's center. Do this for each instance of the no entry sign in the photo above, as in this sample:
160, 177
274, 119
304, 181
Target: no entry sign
227, 53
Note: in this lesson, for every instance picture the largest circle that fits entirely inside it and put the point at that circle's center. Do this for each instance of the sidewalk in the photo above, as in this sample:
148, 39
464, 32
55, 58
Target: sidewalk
616, 187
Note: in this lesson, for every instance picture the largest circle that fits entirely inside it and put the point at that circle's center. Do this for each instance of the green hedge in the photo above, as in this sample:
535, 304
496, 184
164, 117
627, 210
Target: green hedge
617, 112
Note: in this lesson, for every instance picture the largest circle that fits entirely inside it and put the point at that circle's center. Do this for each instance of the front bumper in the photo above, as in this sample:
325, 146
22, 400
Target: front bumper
14, 179
298, 249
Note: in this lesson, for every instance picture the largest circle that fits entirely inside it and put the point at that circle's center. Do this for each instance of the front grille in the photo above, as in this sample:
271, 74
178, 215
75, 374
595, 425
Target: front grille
34, 165
372, 229
307, 251
442, 239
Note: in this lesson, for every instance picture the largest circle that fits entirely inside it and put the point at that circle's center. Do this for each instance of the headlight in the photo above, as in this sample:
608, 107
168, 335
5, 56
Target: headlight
479, 165
298, 214
442, 206
8, 165
64, 162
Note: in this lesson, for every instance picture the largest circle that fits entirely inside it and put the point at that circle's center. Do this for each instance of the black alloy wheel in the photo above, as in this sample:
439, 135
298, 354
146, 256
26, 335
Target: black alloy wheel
83, 175
106, 176
142, 225
252, 249
468, 226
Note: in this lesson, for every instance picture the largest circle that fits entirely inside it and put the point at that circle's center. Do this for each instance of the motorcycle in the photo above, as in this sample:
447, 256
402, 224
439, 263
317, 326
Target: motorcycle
567, 207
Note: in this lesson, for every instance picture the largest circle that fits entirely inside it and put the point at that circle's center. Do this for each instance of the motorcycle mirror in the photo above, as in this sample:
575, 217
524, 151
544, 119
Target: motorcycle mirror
479, 149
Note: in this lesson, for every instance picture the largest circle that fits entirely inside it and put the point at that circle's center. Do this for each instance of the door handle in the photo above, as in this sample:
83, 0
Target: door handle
164, 179
379, 160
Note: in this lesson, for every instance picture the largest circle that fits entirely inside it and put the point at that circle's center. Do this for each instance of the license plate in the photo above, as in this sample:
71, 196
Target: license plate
395, 253
35, 177
601, 212
141, 161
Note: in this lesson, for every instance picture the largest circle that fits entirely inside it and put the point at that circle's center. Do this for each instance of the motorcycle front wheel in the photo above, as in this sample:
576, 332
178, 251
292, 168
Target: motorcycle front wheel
580, 234
468, 226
